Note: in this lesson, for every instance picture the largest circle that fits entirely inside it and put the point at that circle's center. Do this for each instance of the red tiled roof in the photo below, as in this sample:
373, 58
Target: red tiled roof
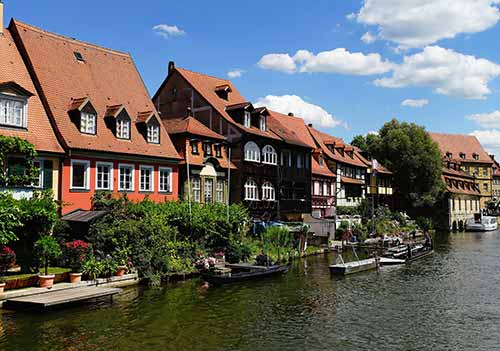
348, 180
206, 86
323, 139
322, 171
106, 77
190, 125
458, 143
291, 129
379, 168
14, 75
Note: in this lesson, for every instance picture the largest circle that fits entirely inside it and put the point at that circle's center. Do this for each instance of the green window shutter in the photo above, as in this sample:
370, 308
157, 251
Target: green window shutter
47, 174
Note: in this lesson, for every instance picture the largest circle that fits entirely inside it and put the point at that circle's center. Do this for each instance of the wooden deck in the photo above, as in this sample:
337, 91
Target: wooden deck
58, 298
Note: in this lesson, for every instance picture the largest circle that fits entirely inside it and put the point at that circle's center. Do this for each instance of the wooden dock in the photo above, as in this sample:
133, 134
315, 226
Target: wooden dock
58, 298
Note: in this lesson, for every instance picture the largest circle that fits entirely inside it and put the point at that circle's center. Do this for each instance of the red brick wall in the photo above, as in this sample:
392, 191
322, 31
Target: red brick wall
78, 199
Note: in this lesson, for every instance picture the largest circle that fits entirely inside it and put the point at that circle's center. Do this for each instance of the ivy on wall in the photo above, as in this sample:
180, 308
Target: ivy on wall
17, 167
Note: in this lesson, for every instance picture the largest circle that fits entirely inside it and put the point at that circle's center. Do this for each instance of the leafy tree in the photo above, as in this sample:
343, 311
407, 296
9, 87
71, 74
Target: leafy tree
365, 143
46, 249
10, 218
415, 160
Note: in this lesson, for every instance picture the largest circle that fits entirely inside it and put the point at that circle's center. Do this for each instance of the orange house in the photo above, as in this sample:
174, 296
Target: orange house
103, 117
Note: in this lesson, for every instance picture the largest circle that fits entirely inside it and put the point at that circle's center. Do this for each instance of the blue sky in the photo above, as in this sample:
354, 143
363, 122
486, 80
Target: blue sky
441, 57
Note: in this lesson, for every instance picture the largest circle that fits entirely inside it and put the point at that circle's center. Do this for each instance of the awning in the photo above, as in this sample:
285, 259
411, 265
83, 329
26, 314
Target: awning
347, 180
83, 216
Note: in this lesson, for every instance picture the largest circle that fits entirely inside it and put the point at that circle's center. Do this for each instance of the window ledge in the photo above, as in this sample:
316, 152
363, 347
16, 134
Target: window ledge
126, 191
73, 190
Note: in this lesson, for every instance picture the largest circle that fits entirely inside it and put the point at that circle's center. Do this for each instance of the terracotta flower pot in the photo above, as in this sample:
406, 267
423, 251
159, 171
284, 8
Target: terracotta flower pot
121, 271
46, 281
2, 287
75, 277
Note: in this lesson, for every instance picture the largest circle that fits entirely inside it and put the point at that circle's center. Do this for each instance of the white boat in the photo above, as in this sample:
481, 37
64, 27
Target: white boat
353, 267
481, 223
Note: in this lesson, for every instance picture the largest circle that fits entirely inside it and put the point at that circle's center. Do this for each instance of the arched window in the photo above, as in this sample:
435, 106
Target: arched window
269, 154
268, 193
252, 152
251, 190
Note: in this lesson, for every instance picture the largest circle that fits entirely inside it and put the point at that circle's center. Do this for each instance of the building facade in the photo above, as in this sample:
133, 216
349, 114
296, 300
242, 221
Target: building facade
100, 110
22, 115
467, 152
205, 165
255, 149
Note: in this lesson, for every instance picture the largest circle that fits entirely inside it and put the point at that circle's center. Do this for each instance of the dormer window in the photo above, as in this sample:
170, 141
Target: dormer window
262, 123
223, 91
247, 119
207, 149
13, 111
476, 157
123, 128
88, 123
218, 151
462, 156
449, 154
320, 161
194, 148
153, 132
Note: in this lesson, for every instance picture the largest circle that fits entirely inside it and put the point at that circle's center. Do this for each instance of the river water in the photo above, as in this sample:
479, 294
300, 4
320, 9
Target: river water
449, 301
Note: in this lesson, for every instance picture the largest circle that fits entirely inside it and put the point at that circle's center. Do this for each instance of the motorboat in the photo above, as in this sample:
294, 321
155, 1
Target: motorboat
480, 223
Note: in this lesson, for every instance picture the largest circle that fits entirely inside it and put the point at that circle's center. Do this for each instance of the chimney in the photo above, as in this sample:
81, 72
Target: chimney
1, 17
171, 65
310, 125
290, 114
189, 112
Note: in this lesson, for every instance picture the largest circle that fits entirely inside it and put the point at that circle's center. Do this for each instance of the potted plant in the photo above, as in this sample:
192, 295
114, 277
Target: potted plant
75, 253
109, 267
121, 259
92, 268
47, 248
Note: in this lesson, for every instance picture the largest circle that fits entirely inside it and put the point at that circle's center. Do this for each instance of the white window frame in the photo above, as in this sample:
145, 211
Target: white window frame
262, 123
7, 98
120, 124
152, 180
252, 152
40, 175
219, 190
86, 176
196, 189
268, 192
251, 190
153, 132
111, 179
247, 119
85, 116
269, 155
132, 181
161, 188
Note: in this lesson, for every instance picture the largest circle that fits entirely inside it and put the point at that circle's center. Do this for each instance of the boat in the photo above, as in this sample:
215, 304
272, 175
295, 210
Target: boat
346, 268
480, 223
400, 254
243, 272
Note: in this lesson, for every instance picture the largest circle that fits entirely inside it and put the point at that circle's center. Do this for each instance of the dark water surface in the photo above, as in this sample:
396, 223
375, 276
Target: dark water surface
446, 302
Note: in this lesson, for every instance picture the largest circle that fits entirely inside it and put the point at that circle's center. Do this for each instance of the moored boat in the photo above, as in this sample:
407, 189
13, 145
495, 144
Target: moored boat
347, 268
243, 273
481, 223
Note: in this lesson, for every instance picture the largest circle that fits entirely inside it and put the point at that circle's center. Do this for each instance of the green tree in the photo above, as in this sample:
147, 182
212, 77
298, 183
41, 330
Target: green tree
415, 160
365, 143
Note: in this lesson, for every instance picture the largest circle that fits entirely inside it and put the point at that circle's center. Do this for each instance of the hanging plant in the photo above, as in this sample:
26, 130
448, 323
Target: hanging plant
25, 153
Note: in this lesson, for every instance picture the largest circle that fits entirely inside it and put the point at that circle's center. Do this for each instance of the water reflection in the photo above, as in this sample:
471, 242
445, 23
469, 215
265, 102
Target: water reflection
444, 302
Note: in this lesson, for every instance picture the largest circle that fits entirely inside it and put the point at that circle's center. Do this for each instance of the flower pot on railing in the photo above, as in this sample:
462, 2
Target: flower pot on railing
120, 271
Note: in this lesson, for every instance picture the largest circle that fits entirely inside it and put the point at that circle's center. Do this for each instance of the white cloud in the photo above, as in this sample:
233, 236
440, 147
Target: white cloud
446, 71
168, 31
309, 112
486, 120
490, 139
334, 61
417, 23
368, 38
235, 73
415, 103
277, 62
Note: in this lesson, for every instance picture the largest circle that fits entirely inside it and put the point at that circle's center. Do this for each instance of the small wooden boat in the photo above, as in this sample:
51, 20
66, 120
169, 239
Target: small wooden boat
241, 273
346, 268
386, 261
400, 254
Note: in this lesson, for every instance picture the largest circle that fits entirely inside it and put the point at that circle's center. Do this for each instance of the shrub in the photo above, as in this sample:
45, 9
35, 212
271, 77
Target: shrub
10, 218
47, 248
92, 268
7, 259
238, 251
108, 267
